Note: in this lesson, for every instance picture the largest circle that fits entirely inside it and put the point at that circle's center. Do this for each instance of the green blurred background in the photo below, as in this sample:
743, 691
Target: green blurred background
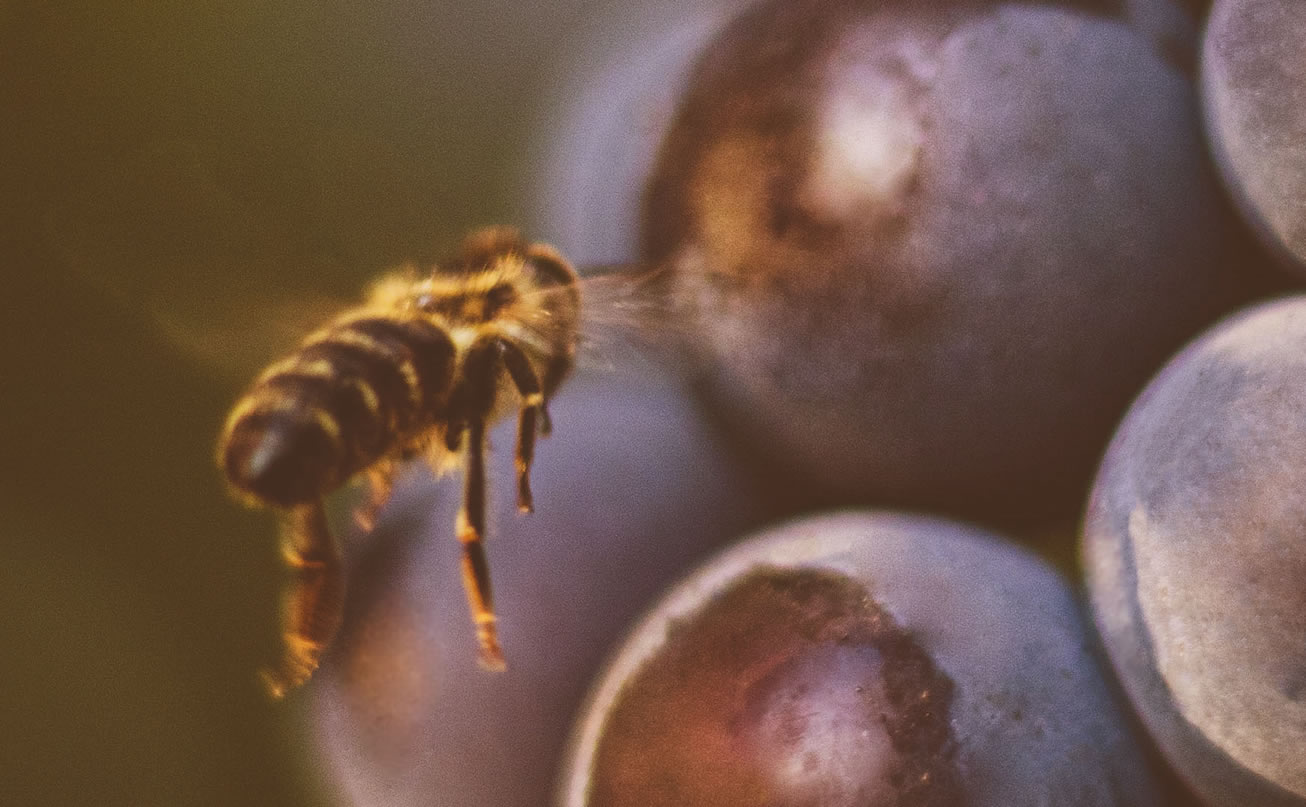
179, 183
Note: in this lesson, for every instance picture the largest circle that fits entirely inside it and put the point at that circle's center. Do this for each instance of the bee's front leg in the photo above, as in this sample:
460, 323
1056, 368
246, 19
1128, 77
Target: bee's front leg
532, 405
476, 568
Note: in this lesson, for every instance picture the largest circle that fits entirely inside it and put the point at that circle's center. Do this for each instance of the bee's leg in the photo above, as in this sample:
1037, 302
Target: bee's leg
471, 534
312, 601
546, 422
453, 435
380, 482
532, 402
554, 373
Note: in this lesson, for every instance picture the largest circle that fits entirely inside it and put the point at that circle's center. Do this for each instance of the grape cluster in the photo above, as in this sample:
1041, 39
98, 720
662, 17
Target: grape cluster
923, 256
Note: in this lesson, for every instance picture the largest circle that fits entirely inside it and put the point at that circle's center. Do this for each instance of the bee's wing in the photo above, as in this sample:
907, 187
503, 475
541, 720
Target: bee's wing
232, 329
203, 263
241, 336
626, 317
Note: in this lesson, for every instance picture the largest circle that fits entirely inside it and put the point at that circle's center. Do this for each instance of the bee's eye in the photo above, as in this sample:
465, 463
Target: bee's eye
499, 296
548, 267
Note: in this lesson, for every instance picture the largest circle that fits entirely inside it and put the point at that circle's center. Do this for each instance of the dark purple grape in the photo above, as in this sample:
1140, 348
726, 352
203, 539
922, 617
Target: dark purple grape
859, 659
1195, 546
1254, 91
621, 75
623, 70
631, 488
926, 253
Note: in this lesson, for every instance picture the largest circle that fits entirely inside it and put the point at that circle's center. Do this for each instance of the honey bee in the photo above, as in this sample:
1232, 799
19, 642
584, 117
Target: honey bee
420, 370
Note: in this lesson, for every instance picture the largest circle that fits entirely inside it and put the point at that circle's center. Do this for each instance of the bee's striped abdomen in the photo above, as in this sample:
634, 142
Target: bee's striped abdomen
350, 395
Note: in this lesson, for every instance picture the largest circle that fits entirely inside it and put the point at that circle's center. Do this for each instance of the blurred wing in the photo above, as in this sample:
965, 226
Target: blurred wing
239, 338
626, 318
201, 261
233, 330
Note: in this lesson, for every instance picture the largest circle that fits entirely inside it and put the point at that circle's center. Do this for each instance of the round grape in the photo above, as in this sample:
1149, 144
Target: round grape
927, 253
1195, 546
1254, 91
854, 659
631, 488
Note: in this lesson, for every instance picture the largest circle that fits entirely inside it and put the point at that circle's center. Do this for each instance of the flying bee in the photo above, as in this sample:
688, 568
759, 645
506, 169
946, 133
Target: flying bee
421, 369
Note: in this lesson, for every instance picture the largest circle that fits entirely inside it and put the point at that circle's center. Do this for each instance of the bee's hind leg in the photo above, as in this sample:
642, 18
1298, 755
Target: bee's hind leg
528, 385
471, 534
312, 602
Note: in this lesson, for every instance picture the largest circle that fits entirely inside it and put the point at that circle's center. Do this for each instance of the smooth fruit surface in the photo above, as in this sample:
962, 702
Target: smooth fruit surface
854, 659
1254, 92
926, 253
1195, 547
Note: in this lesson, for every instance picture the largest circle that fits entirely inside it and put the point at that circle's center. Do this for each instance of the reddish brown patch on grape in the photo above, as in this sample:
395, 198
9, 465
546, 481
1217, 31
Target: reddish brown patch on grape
789, 689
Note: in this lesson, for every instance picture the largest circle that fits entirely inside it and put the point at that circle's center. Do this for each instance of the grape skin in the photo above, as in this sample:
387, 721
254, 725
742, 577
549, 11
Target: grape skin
759, 675
927, 257
631, 487
1193, 546
1254, 93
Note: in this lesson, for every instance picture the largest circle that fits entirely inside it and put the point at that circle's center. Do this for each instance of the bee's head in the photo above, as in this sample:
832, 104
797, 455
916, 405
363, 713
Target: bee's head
495, 274
467, 299
529, 266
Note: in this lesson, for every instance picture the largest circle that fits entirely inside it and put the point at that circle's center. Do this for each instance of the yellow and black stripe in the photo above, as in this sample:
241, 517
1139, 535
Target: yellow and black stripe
355, 392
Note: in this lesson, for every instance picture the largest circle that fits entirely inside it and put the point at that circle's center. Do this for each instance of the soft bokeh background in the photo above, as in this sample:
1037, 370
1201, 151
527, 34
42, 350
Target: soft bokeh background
179, 183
